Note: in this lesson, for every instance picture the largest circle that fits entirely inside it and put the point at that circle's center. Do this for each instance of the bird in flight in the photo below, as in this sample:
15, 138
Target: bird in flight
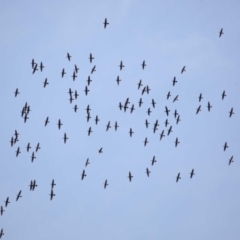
45, 83
174, 81
65, 137
105, 184
209, 106
140, 102
192, 173
183, 69
169, 130
139, 84
145, 142
168, 95
146, 123
63, 72
176, 142
162, 135
221, 32
93, 69
230, 160
16, 92
18, 151
100, 150
51, 194
53, 184
76, 68
59, 124
89, 80
231, 112
19, 195
91, 58
108, 126
167, 110
7, 202
105, 23
41, 66
225, 146
97, 119
175, 99
1, 210
178, 177
83, 174
121, 65
153, 103
178, 119
153, 160
198, 109
223, 95
1, 233
46, 121
143, 65
131, 132
130, 176
89, 131
116, 126
200, 97
118, 80
147, 172
37, 147
32, 157
68, 57
87, 162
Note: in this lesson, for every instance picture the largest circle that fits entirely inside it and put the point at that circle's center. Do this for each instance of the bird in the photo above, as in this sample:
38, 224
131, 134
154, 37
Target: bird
183, 69
221, 32
105, 23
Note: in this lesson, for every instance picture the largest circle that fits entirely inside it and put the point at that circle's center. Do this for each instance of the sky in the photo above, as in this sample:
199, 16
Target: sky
167, 35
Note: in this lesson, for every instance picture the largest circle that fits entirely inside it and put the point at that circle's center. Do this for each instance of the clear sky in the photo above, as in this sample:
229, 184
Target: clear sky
167, 35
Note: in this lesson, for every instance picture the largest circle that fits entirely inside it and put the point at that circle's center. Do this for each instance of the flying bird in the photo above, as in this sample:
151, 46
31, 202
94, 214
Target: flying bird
46, 121
105, 23
51, 195
41, 66
139, 84
65, 137
19, 195
121, 65
45, 83
145, 142
116, 126
183, 69
198, 109
118, 80
223, 95
192, 173
93, 69
174, 81
178, 177
162, 135
105, 184
16, 92
225, 146
68, 57
231, 112
130, 176
153, 160
91, 58
143, 65
221, 32
148, 172
230, 160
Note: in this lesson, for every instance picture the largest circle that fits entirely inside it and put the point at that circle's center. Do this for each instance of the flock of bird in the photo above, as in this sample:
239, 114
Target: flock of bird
122, 106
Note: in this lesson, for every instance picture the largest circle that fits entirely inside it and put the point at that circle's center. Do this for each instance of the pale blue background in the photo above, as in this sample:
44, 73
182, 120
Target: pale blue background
167, 35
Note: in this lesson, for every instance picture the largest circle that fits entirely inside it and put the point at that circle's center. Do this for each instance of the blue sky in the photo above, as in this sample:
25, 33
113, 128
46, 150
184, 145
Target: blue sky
167, 35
